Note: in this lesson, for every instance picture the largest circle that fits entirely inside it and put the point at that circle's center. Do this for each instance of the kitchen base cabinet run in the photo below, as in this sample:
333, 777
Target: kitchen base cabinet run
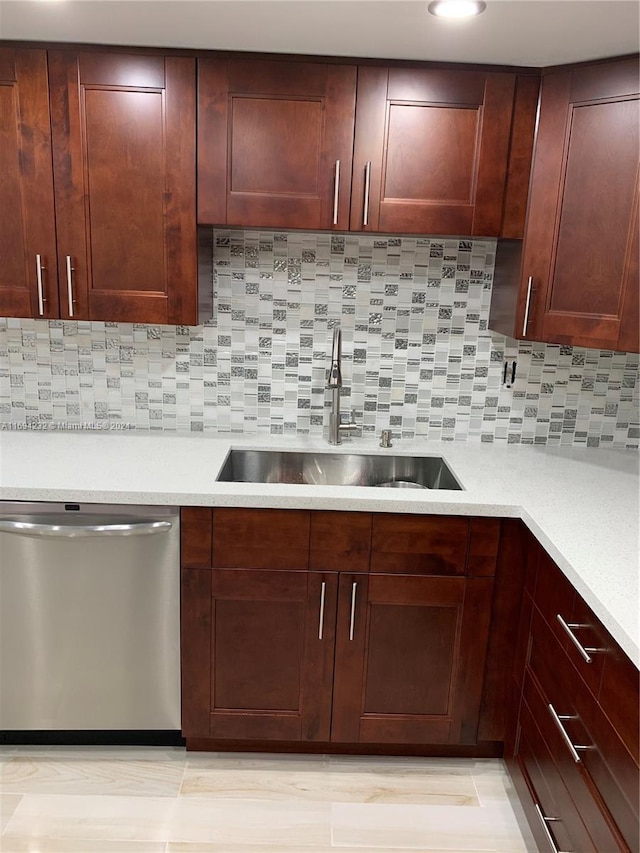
572, 747
339, 631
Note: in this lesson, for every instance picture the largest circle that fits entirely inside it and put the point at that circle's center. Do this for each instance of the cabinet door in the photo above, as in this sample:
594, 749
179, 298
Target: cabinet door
124, 166
275, 143
272, 645
410, 655
580, 252
431, 151
28, 277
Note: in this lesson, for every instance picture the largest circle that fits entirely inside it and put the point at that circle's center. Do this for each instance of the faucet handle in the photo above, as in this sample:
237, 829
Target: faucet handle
385, 438
350, 425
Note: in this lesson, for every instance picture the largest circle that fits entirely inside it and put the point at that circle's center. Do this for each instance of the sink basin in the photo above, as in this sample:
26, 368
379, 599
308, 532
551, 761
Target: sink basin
337, 469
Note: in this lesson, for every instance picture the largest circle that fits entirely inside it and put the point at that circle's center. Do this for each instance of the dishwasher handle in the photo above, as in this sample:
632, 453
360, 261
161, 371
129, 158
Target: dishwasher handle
69, 531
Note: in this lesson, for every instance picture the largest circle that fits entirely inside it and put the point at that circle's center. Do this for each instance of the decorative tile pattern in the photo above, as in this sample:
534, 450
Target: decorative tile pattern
417, 355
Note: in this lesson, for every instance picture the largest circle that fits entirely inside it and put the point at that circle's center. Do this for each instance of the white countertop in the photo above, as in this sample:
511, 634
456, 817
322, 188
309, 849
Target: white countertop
581, 504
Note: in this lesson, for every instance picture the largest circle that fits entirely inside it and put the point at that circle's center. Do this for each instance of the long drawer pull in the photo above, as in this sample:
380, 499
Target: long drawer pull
584, 651
321, 623
352, 620
70, 271
367, 191
527, 306
544, 821
336, 193
41, 299
557, 719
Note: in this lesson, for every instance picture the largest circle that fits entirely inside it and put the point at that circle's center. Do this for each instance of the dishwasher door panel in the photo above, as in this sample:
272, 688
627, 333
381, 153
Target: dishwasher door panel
89, 630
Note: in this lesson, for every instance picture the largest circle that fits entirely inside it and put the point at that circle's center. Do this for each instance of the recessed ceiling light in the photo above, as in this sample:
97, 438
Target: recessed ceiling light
457, 8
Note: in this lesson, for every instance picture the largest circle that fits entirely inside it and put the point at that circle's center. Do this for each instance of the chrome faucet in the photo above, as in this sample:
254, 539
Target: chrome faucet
334, 383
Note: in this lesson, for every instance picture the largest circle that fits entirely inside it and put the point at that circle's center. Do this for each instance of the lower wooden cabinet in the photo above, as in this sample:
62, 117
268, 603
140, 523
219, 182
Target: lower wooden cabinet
574, 750
409, 662
298, 654
442, 635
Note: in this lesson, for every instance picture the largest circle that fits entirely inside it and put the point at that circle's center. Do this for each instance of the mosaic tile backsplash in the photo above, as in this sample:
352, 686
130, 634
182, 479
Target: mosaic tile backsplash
417, 355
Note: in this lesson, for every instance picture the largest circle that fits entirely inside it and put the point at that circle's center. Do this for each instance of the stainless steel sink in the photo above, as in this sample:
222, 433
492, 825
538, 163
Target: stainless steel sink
337, 469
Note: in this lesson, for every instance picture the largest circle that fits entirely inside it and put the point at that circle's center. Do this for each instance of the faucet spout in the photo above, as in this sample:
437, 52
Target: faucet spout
334, 376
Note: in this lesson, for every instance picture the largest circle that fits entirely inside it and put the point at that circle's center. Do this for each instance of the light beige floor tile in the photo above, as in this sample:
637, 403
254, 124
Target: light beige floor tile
53, 775
157, 819
492, 787
21, 844
406, 763
269, 762
496, 789
269, 848
356, 786
8, 805
432, 828
123, 753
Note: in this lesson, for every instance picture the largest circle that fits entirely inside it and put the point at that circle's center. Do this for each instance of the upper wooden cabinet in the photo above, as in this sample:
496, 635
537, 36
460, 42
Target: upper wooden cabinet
119, 130
28, 281
577, 280
431, 150
275, 143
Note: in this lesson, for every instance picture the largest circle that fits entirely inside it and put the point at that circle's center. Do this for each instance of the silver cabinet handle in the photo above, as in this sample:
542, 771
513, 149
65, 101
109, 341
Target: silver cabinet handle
367, 188
41, 299
544, 821
70, 270
527, 305
321, 623
557, 719
352, 620
584, 652
336, 193
28, 528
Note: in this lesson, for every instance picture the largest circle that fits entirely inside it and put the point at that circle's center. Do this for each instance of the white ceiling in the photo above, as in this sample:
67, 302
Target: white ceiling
511, 32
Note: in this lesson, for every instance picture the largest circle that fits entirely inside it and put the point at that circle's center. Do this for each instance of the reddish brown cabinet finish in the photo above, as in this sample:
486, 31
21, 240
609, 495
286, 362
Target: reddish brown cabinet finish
308, 639
97, 187
28, 279
275, 143
123, 128
591, 795
577, 279
431, 150
271, 654
410, 653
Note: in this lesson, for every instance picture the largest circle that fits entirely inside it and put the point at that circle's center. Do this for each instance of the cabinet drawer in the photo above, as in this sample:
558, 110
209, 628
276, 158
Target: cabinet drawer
604, 762
340, 541
261, 538
550, 793
583, 794
411, 544
610, 676
557, 600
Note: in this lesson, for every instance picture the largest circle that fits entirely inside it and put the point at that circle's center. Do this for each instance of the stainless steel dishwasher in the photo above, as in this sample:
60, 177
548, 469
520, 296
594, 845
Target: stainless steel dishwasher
89, 617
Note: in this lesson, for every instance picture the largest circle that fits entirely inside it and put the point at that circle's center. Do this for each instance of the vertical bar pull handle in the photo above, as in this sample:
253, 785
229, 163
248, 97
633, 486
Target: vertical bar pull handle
336, 193
367, 190
544, 821
41, 299
323, 590
527, 305
352, 620
70, 285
